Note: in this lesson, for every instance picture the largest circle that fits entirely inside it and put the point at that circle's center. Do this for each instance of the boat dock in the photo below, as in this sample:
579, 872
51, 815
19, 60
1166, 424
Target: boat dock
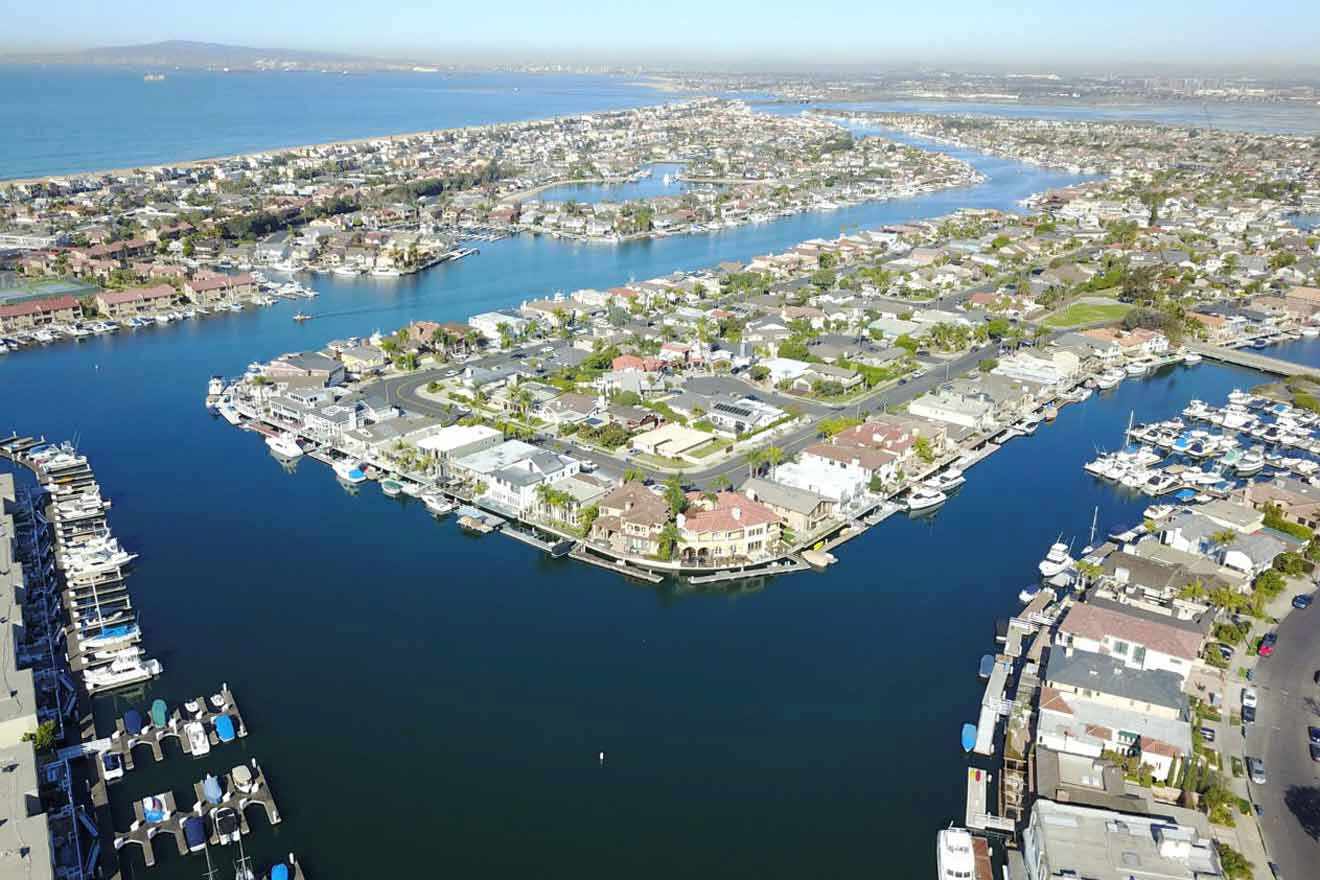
124, 741
250, 789
581, 554
783, 566
1241, 357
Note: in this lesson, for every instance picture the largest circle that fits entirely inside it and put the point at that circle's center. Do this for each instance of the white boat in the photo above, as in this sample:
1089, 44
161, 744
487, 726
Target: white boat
285, 445
953, 850
1251, 462
385, 273
124, 671
349, 471
1108, 379
1056, 560
1137, 368
346, 271
1310, 331
437, 503
946, 481
1191, 358
198, 743
392, 488
924, 498
302, 316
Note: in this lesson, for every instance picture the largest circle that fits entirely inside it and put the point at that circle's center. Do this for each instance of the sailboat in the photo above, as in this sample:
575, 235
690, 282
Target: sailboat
243, 867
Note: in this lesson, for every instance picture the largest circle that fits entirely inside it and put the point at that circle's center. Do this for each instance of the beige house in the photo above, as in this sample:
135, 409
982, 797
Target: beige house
135, 301
631, 520
730, 529
220, 289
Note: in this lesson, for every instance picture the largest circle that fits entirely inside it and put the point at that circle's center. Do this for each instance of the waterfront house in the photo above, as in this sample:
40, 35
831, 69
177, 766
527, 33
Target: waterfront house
360, 359
309, 365
121, 304
511, 471
1076, 725
1137, 639
727, 530
631, 520
1111, 682
216, 289
955, 409
863, 465
36, 313
1068, 840
1055, 368
801, 511
572, 496
488, 324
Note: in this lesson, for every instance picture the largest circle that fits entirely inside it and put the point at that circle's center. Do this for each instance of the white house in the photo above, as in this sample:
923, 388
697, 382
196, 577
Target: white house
512, 470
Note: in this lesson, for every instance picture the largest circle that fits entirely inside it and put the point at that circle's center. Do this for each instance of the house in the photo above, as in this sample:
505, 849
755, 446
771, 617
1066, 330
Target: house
1110, 681
744, 415
120, 304
1055, 368
307, 365
488, 324
512, 470
784, 369
569, 408
459, 441
631, 520
818, 375
728, 529
34, 313
572, 495
361, 359
1136, 639
1295, 501
944, 406
670, 440
800, 510
213, 290
1069, 840
1076, 725
865, 464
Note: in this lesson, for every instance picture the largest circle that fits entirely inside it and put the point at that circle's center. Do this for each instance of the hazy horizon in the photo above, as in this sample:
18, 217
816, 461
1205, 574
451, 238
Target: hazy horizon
1274, 38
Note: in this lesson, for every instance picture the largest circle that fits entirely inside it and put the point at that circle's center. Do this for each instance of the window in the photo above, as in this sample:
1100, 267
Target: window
1120, 648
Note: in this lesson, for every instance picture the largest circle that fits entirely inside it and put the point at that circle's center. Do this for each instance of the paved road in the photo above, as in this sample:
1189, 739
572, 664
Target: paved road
1289, 702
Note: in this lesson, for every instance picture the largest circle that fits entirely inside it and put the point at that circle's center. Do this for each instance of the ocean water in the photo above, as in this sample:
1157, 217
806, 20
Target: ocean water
62, 119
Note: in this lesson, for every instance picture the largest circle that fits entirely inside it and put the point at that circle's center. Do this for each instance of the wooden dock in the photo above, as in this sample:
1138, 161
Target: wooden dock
1242, 357
581, 554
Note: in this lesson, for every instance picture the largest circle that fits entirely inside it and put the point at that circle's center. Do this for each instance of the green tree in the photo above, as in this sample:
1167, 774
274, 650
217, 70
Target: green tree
43, 738
1234, 864
924, 450
668, 541
773, 456
634, 475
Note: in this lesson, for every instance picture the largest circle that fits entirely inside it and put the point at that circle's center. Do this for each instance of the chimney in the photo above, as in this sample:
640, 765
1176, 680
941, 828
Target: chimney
737, 513
680, 520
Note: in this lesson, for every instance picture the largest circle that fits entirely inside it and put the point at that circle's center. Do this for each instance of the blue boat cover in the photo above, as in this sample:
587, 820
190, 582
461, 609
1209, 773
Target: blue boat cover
224, 728
279, 872
159, 713
133, 721
211, 789
987, 665
194, 831
968, 737
1185, 494
153, 809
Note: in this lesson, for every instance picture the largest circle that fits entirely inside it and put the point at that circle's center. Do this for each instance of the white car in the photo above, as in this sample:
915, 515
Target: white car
1249, 697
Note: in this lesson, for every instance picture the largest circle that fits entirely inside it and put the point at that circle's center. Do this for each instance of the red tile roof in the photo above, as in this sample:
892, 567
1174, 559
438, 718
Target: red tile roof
732, 511
38, 307
135, 294
1093, 622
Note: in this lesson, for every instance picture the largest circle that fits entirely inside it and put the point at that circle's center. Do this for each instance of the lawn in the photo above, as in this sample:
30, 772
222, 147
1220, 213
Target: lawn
1087, 313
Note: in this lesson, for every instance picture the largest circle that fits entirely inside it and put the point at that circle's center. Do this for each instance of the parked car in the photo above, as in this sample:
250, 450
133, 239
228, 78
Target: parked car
1315, 752
1208, 734
1303, 601
1313, 734
1248, 714
1256, 770
1276, 871
1249, 697
1224, 650
1267, 643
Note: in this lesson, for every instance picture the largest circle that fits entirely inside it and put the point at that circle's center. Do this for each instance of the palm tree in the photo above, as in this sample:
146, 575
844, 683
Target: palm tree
754, 459
774, 455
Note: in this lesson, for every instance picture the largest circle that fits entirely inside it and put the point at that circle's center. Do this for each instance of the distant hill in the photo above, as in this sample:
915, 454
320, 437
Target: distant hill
190, 53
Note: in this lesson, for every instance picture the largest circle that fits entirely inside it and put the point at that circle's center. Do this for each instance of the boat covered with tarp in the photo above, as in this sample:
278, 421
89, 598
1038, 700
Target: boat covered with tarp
211, 790
968, 737
159, 713
224, 728
194, 833
133, 721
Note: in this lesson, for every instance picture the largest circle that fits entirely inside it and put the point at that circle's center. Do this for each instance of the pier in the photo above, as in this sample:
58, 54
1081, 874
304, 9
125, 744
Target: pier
1242, 357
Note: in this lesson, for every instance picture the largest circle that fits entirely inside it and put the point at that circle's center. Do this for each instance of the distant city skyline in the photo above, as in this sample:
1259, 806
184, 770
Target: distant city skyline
1273, 35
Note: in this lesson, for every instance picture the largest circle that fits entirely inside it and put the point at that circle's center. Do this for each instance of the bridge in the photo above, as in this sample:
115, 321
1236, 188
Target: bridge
1243, 358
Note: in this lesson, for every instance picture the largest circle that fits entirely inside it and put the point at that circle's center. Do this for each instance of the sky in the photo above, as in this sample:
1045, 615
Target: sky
767, 34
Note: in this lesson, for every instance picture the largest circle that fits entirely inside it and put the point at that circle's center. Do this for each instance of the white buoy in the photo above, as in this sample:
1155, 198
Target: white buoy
602, 758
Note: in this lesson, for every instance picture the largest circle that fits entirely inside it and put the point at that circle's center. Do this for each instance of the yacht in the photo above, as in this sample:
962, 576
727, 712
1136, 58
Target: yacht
1056, 561
228, 411
1108, 379
1310, 331
301, 316
1251, 462
226, 825
123, 671
346, 271
1137, 368
106, 638
953, 850
285, 445
1191, 358
924, 498
391, 488
1160, 483
946, 481
349, 471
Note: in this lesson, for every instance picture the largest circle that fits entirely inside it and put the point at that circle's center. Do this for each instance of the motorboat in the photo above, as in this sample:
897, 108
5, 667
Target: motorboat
301, 316
244, 781
1252, 462
953, 850
212, 791
1191, 358
226, 825
1160, 483
109, 637
350, 471
194, 833
121, 672
438, 504
224, 728
946, 481
392, 488
285, 445
1109, 379
112, 766
1056, 560
1310, 331
229, 412
1137, 368
154, 809
925, 498
198, 742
